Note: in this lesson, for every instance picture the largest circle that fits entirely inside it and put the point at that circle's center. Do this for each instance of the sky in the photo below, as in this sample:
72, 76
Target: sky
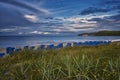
58, 17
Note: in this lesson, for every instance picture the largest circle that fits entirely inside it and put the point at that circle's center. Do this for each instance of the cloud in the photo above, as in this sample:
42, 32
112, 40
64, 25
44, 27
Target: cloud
112, 4
25, 6
19, 13
72, 24
12, 17
36, 32
92, 10
32, 18
7, 30
109, 2
107, 6
20, 33
39, 32
114, 17
108, 22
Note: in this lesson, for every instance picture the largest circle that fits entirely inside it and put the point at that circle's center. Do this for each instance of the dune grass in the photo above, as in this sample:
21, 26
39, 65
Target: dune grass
73, 63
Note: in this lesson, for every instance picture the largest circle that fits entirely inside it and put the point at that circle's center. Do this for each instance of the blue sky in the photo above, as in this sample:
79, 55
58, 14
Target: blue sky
59, 17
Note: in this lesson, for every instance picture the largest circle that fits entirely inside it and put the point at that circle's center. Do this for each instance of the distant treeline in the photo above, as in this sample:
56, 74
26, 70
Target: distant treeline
102, 33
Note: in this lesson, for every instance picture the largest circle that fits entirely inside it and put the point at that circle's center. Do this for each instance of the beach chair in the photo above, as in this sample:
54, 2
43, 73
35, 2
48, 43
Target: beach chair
50, 46
100, 42
1, 55
26, 47
10, 50
105, 42
60, 45
17, 50
41, 47
94, 43
76, 44
109, 42
80, 43
86, 43
32, 47
68, 44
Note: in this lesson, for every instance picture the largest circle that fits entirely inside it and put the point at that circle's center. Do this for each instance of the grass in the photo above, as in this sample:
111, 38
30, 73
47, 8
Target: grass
73, 63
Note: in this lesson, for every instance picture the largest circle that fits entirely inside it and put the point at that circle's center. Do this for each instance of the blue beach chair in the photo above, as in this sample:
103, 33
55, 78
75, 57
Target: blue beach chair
86, 43
60, 45
105, 42
32, 47
50, 46
26, 47
68, 44
17, 50
98, 42
109, 42
1, 55
76, 44
92, 43
10, 50
41, 47
80, 43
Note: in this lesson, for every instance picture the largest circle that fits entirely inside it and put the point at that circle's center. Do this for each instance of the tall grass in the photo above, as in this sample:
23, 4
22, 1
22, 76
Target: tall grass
73, 63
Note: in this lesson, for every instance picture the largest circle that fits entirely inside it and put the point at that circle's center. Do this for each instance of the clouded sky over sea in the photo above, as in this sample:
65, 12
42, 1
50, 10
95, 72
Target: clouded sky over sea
25, 17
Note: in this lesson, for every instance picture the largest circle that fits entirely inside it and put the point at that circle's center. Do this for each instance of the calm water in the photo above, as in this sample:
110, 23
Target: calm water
16, 41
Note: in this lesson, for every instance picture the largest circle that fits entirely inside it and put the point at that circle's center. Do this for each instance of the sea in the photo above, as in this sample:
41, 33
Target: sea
19, 41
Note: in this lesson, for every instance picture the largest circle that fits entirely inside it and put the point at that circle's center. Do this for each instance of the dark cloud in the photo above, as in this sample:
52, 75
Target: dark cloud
49, 23
24, 5
109, 2
12, 13
114, 17
106, 6
86, 27
12, 17
92, 10
109, 22
96, 19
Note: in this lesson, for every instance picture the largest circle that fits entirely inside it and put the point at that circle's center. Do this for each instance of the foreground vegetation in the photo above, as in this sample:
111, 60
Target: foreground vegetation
73, 63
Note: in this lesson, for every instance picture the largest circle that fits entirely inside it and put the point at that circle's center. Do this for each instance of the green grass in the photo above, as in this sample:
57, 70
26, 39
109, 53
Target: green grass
73, 63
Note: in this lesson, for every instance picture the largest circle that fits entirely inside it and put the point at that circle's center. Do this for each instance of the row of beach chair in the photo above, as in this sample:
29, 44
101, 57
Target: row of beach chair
10, 50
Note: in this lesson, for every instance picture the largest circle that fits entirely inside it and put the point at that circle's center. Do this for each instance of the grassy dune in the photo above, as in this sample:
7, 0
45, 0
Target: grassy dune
73, 63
